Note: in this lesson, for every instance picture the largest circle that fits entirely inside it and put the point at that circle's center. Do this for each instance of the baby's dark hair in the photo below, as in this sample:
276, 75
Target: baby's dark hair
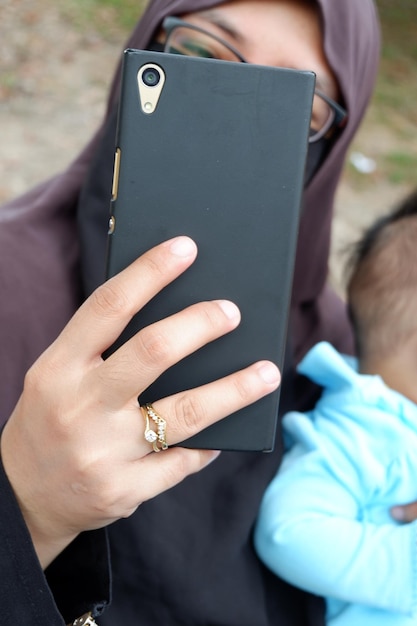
382, 287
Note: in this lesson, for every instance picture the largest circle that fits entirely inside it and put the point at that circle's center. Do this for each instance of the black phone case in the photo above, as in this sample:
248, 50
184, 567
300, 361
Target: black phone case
222, 160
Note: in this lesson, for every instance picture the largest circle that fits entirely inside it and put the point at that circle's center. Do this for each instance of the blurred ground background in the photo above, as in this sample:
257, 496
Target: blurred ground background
57, 59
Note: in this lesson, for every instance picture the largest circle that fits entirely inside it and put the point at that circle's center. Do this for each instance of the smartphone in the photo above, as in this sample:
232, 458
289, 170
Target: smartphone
214, 150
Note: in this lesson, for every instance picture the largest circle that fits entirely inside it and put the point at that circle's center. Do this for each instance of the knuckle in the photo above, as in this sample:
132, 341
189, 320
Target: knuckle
243, 387
189, 414
38, 379
179, 468
180, 465
109, 301
155, 266
129, 510
152, 347
105, 497
106, 502
34, 381
211, 315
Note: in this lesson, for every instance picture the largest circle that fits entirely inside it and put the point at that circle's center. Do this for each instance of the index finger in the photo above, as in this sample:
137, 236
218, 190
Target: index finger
104, 315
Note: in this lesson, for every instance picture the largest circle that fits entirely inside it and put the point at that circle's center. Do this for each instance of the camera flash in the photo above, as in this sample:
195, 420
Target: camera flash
151, 79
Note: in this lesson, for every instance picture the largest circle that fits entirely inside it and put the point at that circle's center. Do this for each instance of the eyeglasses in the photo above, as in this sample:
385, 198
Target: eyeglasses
189, 40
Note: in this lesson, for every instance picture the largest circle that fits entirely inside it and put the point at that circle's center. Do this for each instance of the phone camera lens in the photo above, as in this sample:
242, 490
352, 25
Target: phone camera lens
151, 77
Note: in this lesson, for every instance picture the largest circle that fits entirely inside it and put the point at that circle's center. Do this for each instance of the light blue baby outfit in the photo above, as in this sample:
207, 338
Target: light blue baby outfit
324, 523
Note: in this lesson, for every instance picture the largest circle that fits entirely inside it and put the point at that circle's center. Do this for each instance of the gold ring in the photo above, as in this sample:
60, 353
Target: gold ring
150, 435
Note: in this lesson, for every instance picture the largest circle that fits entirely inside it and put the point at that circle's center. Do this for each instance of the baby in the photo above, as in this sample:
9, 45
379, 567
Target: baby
324, 523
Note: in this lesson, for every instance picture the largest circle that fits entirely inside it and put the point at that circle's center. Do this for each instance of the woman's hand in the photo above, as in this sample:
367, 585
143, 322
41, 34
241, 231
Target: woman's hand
74, 449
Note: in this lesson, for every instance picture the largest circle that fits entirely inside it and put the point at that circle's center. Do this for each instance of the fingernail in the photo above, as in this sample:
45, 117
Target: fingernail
182, 246
229, 309
397, 513
212, 456
269, 373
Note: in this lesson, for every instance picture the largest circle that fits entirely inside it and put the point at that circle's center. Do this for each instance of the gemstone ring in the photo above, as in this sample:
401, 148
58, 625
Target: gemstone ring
156, 437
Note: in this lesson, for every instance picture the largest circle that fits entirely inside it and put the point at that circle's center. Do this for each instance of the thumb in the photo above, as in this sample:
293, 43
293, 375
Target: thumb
404, 513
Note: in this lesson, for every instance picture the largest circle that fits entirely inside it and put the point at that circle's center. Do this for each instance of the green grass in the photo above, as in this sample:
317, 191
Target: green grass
396, 89
393, 110
113, 19
394, 103
401, 167
126, 11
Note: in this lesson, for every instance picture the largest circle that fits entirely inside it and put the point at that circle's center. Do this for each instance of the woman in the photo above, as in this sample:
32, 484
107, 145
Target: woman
186, 556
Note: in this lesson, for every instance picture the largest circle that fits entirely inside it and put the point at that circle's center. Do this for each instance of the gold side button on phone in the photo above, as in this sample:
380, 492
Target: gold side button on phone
112, 225
116, 171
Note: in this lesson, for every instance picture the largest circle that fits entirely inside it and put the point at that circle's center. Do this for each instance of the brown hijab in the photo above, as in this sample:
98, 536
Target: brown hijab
185, 557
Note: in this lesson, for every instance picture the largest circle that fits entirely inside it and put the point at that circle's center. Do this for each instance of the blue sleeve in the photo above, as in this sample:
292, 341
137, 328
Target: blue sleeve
308, 534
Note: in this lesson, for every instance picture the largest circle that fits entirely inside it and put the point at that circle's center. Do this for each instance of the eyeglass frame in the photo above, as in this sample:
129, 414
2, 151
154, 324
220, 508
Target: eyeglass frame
171, 22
